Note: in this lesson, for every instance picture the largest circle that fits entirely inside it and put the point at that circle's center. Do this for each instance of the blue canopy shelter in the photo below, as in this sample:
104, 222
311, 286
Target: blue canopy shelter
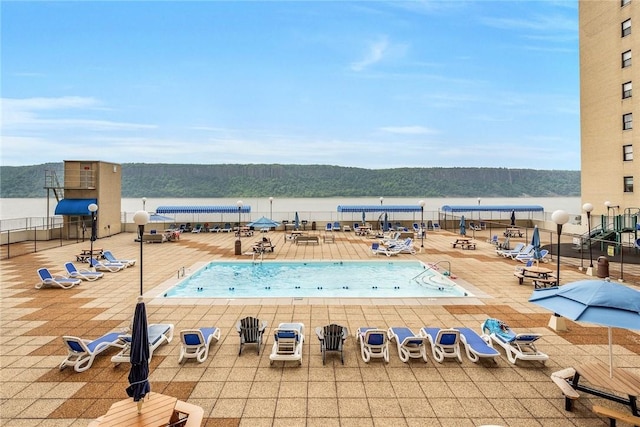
501, 209
198, 210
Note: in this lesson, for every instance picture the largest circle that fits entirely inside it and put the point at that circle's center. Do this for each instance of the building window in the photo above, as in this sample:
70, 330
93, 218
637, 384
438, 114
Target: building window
624, 2
626, 28
627, 121
627, 153
626, 59
626, 90
628, 184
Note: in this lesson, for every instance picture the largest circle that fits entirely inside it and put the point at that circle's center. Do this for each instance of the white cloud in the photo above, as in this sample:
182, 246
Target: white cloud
375, 53
408, 130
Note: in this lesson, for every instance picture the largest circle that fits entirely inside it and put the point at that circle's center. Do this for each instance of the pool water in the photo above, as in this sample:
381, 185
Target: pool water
312, 279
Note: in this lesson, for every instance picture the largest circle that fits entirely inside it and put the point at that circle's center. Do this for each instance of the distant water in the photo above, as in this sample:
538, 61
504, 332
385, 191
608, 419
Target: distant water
308, 208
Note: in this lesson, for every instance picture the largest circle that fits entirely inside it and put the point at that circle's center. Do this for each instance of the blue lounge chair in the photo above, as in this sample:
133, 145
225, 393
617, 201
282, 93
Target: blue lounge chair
81, 352
112, 259
328, 227
196, 343
48, 279
82, 274
106, 266
508, 252
287, 343
410, 345
374, 343
476, 346
517, 346
159, 333
445, 343
377, 249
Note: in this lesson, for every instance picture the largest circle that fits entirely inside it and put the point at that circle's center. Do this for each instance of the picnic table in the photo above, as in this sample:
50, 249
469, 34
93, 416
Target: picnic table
85, 254
540, 276
464, 243
623, 382
513, 232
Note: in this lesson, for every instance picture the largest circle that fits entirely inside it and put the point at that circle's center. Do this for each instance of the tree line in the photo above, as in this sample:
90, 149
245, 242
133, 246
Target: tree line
257, 180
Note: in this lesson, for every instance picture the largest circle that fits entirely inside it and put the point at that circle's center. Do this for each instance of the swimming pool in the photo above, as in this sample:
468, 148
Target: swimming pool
311, 279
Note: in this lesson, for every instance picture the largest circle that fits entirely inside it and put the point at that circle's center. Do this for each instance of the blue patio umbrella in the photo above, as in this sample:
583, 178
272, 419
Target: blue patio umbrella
296, 221
385, 224
139, 384
463, 227
263, 222
364, 218
535, 242
593, 301
513, 218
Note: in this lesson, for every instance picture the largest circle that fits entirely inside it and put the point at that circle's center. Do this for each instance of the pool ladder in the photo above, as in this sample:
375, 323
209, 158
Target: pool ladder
261, 253
432, 267
181, 272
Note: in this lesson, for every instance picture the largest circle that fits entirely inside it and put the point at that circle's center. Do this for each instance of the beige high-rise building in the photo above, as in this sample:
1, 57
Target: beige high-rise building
609, 41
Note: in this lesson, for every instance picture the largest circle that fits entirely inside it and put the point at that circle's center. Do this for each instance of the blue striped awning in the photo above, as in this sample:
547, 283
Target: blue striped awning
201, 209
492, 208
78, 207
379, 208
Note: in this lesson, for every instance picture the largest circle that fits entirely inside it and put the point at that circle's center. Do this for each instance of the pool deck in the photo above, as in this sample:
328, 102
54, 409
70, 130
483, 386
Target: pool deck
245, 390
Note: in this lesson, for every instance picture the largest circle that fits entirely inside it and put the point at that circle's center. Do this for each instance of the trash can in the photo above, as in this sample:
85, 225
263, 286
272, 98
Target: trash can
313, 225
238, 247
603, 267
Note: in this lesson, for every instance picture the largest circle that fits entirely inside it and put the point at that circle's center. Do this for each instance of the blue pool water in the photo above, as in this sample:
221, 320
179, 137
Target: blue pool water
312, 279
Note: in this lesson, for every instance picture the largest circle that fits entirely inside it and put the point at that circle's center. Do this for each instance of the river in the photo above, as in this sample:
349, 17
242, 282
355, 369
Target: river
285, 208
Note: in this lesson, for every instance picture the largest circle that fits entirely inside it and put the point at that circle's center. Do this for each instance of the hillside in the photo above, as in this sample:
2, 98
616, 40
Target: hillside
256, 180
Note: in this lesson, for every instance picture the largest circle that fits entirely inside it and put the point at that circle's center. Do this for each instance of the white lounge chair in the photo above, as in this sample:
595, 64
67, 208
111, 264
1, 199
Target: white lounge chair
404, 247
287, 343
196, 343
83, 273
106, 266
374, 343
159, 333
410, 345
377, 249
81, 352
508, 252
477, 346
48, 279
445, 343
112, 259
517, 346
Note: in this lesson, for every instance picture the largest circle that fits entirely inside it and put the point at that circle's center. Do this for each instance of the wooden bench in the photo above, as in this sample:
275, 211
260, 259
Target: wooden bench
520, 277
615, 415
560, 379
305, 240
543, 283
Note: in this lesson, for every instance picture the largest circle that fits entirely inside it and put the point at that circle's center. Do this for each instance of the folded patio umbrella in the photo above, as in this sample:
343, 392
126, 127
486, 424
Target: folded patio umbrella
139, 372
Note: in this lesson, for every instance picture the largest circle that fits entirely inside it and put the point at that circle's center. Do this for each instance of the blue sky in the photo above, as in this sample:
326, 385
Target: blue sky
372, 84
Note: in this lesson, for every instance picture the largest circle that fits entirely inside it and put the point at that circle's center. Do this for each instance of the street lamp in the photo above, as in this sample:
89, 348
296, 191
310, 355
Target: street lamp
270, 207
588, 207
609, 206
560, 217
421, 203
141, 218
381, 200
93, 208
479, 199
144, 203
238, 247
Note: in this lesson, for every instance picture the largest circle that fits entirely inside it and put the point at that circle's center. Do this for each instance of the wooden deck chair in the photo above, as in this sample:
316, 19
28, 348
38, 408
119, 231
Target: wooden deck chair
250, 330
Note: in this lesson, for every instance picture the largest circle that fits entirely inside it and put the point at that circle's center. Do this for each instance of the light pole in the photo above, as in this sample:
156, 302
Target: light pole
588, 207
271, 208
141, 218
421, 203
238, 248
381, 200
479, 199
93, 208
610, 206
144, 203
560, 217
